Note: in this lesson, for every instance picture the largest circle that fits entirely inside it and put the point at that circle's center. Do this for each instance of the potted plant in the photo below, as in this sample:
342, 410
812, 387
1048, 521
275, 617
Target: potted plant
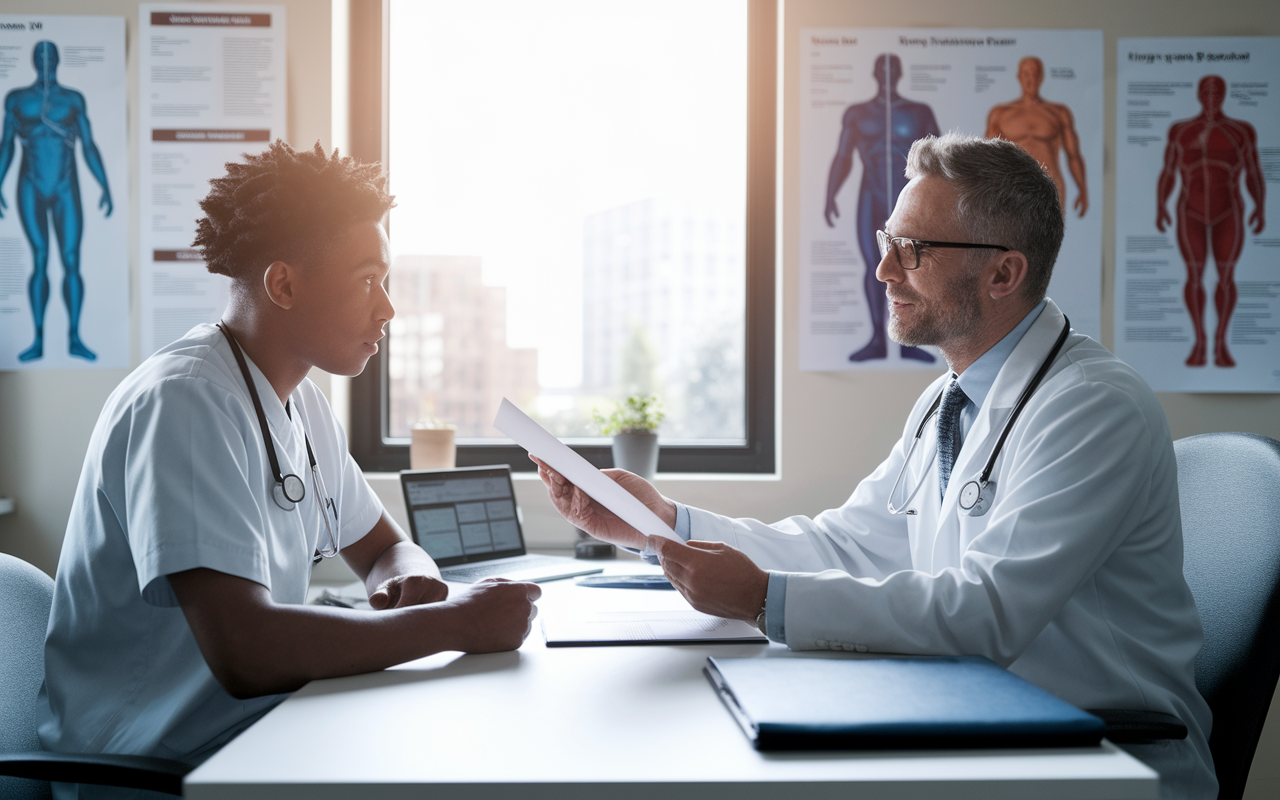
633, 424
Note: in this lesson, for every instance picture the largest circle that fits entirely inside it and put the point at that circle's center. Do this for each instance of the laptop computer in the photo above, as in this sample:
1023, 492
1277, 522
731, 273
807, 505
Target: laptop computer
467, 520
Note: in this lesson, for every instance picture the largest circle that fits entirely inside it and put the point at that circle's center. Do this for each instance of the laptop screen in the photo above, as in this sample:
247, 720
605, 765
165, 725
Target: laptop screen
463, 515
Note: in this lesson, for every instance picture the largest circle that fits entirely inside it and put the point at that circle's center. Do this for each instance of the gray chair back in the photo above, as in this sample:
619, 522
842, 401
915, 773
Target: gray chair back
1229, 492
26, 594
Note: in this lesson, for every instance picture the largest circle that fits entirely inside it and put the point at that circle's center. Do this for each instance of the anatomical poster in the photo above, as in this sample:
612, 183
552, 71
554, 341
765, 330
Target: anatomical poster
1197, 260
213, 89
64, 193
866, 94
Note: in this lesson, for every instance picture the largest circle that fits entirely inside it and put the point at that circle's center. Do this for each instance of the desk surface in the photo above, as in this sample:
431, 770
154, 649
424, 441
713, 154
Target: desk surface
617, 722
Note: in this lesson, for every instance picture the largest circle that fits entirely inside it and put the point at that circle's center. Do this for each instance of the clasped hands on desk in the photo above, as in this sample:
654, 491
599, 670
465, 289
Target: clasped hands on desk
615, 722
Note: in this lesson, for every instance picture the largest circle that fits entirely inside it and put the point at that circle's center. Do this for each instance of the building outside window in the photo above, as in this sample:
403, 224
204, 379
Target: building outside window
572, 221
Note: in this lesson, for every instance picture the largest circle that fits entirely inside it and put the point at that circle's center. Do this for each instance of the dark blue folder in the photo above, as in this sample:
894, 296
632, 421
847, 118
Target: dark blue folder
893, 703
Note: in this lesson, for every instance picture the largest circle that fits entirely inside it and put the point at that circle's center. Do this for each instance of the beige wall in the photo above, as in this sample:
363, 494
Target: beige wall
833, 428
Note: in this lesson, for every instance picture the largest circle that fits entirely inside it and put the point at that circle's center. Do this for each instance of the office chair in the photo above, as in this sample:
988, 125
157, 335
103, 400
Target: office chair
1229, 491
26, 595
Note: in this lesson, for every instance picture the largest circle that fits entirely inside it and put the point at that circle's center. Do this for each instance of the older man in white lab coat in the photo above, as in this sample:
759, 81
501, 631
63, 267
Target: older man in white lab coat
1058, 554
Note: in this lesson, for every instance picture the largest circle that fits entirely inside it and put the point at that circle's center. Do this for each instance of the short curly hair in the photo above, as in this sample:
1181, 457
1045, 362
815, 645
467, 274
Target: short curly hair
284, 204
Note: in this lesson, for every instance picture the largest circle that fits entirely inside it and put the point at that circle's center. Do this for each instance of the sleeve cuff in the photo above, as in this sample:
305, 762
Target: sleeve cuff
683, 522
161, 562
648, 554
360, 523
681, 529
775, 616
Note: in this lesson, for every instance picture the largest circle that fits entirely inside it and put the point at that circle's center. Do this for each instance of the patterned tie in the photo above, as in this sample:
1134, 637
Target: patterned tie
949, 432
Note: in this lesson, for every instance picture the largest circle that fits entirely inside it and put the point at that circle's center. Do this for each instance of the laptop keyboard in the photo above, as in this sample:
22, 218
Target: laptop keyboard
482, 571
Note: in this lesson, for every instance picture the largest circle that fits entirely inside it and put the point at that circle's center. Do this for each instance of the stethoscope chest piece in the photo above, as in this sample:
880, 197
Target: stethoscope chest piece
285, 492
975, 497
289, 492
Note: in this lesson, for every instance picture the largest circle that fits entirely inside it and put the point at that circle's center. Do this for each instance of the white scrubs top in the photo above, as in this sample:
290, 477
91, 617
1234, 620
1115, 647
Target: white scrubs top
177, 477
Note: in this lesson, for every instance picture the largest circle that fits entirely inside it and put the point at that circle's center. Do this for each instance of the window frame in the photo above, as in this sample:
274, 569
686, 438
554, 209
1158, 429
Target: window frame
367, 430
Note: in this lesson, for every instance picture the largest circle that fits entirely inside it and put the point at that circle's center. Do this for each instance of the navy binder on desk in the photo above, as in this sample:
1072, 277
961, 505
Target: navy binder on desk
893, 703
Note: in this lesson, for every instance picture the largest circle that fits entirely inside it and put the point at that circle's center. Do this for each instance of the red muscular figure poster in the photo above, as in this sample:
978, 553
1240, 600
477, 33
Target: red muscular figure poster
1198, 125
1208, 154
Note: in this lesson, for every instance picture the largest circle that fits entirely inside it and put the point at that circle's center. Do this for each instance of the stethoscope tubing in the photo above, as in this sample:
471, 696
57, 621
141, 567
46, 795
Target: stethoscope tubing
281, 479
1026, 396
1021, 403
291, 487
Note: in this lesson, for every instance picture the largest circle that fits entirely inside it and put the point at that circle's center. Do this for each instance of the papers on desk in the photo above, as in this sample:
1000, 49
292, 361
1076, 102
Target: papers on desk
539, 442
646, 627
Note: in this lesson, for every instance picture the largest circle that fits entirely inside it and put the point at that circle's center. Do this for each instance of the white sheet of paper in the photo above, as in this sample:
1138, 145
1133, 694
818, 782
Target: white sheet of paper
625, 627
539, 441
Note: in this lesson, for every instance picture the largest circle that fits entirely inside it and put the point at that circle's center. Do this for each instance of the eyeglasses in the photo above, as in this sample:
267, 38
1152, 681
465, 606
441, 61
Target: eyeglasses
908, 250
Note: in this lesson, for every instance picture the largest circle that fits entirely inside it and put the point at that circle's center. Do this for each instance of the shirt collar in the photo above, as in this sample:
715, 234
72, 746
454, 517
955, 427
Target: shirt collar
977, 380
282, 423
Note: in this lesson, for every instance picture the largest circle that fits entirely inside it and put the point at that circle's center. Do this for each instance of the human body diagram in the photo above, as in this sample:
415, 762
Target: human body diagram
48, 118
1044, 130
1209, 153
881, 132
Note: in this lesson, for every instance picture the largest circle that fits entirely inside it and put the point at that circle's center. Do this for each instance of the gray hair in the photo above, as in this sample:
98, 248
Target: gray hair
1006, 198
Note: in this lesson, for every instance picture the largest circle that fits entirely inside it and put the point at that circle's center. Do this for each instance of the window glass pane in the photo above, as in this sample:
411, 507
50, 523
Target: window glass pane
570, 178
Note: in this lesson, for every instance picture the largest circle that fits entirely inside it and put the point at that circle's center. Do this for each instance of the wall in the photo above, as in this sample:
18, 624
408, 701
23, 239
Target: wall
825, 440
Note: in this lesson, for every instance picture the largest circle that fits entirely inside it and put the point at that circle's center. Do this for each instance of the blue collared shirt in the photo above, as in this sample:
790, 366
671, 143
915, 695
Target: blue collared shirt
976, 382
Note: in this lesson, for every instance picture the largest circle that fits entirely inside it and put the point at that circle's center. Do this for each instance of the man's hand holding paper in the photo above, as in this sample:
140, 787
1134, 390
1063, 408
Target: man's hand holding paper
620, 507
580, 510
635, 517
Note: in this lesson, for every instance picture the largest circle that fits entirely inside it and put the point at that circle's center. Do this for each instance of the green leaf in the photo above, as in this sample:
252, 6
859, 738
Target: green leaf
636, 414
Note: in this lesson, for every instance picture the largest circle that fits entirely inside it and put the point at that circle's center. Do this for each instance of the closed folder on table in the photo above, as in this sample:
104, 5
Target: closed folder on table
893, 703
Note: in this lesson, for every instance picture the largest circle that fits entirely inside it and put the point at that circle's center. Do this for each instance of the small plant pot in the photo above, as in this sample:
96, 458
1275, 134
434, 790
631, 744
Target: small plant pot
636, 452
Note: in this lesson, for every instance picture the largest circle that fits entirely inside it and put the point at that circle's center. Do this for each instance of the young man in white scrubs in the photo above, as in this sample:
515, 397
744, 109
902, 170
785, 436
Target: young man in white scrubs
178, 615
1068, 570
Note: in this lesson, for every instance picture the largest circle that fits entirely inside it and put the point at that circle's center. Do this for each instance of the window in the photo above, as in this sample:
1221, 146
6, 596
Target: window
585, 196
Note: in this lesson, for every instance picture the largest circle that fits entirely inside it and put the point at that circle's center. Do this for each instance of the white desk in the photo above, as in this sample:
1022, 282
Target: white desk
599, 722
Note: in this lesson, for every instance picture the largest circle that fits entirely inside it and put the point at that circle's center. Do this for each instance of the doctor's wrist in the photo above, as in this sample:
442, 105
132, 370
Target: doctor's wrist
759, 601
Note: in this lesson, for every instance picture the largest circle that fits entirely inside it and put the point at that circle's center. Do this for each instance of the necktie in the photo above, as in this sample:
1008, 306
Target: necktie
949, 432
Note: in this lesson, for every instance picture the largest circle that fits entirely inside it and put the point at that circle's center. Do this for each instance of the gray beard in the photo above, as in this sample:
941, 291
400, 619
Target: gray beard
939, 328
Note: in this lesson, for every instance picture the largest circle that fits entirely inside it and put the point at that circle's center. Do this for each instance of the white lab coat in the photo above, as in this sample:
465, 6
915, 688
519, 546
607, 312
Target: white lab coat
1072, 579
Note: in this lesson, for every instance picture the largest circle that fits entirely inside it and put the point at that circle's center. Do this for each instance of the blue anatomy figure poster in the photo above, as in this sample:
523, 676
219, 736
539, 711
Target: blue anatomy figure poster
881, 131
866, 95
63, 157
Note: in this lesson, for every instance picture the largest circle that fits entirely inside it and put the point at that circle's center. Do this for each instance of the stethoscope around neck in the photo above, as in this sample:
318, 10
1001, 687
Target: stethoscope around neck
976, 495
289, 490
